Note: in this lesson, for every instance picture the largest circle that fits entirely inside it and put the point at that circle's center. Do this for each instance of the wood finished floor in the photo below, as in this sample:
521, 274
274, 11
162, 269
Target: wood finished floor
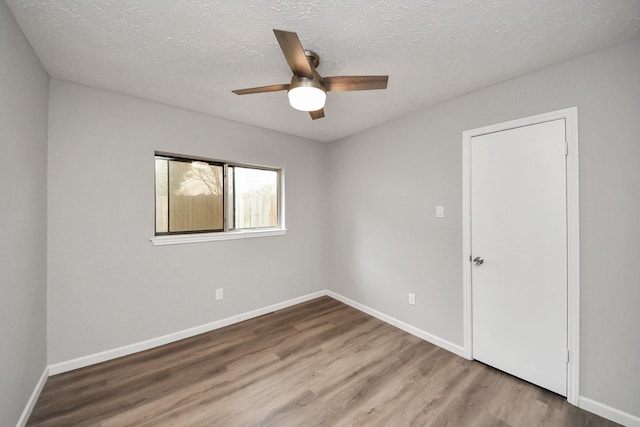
320, 363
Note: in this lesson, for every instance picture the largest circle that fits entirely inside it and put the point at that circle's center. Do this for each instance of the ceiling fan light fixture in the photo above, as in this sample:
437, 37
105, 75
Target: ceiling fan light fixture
306, 94
308, 90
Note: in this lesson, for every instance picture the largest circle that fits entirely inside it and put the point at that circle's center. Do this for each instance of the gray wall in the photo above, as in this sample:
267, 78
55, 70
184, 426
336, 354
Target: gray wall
385, 183
108, 285
23, 162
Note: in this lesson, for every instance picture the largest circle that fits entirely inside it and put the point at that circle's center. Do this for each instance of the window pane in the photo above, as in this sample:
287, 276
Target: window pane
195, 196
256, 198
162, 196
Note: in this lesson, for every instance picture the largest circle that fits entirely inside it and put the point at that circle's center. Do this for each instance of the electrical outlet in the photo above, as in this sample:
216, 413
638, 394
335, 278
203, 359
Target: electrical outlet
219, 294
412, 299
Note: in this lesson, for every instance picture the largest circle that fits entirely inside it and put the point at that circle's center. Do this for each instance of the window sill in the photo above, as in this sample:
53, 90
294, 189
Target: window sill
178, 239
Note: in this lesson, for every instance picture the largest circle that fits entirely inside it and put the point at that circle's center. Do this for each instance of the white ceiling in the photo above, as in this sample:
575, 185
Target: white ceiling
192, 53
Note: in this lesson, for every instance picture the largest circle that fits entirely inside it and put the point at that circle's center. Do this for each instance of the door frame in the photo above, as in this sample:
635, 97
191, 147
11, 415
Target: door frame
570, 115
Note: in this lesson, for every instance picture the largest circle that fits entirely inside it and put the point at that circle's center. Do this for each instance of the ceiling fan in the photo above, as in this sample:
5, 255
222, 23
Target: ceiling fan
308, 90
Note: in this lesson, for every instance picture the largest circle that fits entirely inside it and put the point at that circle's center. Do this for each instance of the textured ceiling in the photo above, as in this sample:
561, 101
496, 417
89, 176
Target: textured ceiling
192, 53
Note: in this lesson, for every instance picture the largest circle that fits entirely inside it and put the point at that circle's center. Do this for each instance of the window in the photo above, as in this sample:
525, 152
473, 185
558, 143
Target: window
207, 196
254, 196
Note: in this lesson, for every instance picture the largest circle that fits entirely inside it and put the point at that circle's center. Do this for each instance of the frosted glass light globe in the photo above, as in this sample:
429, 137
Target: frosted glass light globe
307, 98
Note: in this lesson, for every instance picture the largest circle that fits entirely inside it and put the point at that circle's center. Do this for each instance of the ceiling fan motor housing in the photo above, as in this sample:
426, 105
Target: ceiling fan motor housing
313, 58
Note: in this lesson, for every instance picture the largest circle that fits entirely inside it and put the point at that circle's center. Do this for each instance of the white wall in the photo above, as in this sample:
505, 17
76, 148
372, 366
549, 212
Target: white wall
23, 140
385, 183
108, 285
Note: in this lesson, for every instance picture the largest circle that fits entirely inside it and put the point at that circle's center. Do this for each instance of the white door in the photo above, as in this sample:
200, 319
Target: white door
519, 230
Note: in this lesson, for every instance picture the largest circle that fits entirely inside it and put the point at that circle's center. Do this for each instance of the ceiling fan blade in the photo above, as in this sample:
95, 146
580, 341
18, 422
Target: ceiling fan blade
349, 83
294, 53
261, 89
318, 114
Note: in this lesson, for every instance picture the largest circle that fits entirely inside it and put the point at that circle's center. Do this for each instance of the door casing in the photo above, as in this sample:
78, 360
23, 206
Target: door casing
570, 115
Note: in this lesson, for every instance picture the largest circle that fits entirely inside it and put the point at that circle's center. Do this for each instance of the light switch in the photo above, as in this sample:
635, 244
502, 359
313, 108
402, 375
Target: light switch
439, 211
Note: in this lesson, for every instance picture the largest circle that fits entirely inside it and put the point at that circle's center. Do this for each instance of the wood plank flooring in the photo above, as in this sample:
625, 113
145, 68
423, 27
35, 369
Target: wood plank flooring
320, 363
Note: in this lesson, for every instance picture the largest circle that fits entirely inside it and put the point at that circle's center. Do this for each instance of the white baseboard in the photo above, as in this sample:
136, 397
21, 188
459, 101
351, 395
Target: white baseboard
608, 412
58, 368
447, 345
126, 350
597, 408
31, 403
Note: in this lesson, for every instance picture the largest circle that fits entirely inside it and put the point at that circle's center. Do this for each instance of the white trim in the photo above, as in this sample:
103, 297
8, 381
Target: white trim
126, 350
92, 359
608, 412
31, 403
570, 115
573, 256
584, 403
176, 239
281, 210
467, 323
447, 345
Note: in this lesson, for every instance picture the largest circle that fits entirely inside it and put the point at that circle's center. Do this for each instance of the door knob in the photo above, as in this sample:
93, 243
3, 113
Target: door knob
478, 260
